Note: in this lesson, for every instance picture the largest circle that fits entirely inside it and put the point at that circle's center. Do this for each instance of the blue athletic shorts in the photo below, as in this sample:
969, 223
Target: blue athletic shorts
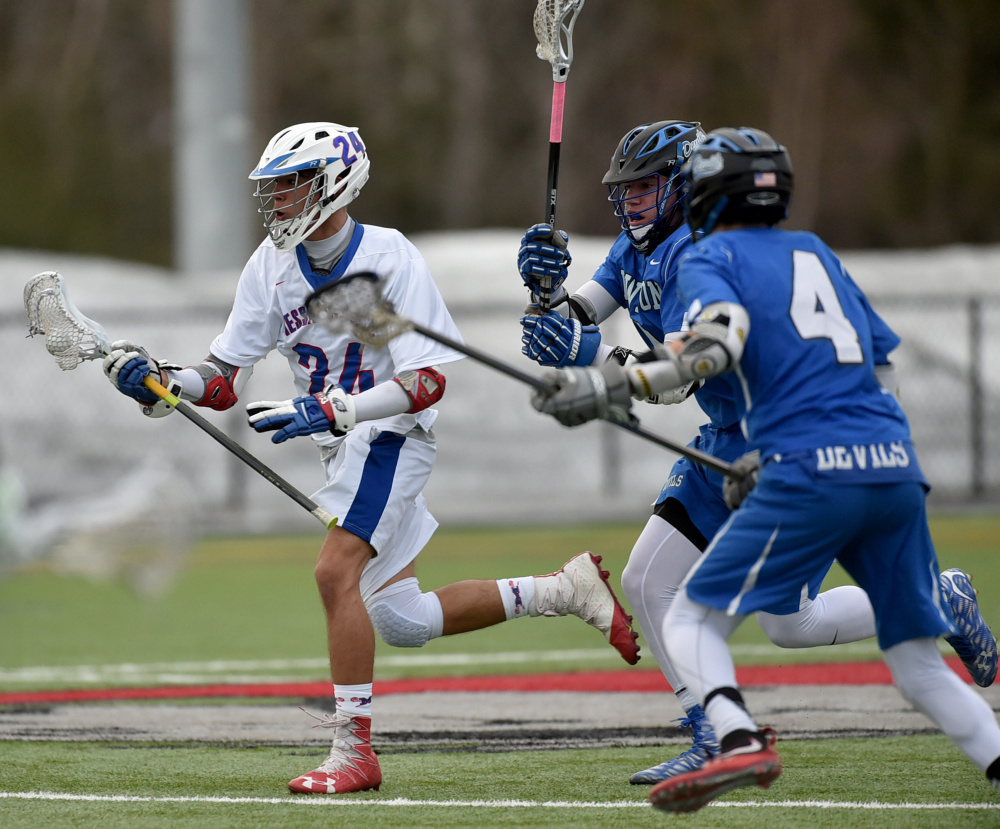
776, 548
699, 489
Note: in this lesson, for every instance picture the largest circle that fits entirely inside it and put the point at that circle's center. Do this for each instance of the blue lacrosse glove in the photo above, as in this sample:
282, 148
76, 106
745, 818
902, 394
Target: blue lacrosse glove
543, 259
331, 410
126, 366
555, 341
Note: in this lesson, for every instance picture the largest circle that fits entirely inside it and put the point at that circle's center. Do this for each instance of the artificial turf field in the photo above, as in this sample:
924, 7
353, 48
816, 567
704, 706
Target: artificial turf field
252, 602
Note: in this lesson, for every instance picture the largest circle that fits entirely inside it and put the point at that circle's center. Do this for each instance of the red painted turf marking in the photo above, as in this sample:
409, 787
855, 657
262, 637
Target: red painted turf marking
637, 680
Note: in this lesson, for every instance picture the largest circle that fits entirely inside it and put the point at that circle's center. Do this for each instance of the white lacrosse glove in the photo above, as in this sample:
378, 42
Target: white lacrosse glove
577, 395
736, 489
128, 364
331, 410
670, 396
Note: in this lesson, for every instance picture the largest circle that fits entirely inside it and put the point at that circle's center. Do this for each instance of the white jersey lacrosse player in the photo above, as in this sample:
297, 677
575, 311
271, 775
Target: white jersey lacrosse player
369, 411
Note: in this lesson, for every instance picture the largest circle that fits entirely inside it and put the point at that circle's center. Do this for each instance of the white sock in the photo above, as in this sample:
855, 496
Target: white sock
684, 696
726, 717
517, 595
355, 700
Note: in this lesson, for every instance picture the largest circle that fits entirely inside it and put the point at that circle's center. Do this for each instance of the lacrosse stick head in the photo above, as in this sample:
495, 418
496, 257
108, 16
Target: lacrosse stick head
355, 303
554, 21
69, 336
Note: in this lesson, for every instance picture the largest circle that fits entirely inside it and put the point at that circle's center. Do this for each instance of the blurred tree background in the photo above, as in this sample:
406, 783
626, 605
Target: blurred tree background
890, 109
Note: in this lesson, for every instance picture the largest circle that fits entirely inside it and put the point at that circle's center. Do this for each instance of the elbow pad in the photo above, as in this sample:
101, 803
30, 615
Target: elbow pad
582, 309
424, 387
714, 345
724, 323
223, 383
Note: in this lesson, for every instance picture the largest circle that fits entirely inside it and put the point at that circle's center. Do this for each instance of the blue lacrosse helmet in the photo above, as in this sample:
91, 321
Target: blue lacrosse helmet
656, 149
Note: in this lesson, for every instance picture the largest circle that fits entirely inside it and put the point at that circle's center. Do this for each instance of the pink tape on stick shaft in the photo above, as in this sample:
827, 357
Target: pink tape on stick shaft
558, 102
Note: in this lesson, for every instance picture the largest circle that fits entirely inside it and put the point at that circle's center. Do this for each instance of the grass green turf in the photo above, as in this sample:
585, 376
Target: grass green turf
913, 770
254, 599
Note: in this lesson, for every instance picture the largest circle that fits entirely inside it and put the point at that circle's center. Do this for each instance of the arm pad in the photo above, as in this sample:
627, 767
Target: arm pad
223, 383
713, 346
424, 387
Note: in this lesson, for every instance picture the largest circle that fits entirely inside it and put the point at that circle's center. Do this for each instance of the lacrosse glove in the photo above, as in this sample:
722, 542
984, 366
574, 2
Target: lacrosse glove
543, 259
736, 489
551, 340
331, 410
577, 395
128, 364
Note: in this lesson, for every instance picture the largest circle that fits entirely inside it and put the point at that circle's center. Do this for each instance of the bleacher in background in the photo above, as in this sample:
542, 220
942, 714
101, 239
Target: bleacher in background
68, 437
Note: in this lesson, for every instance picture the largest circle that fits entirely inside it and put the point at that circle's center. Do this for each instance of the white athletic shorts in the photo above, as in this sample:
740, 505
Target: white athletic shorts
374, 484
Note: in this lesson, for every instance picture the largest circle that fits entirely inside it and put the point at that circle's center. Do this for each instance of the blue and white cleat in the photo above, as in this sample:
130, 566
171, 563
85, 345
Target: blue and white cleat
975, 644
705, 747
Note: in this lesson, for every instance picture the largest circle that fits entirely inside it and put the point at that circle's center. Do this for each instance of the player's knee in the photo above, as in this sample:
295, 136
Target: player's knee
339, 566
783, 631
404, 617
641, 590
633, 579
327, 579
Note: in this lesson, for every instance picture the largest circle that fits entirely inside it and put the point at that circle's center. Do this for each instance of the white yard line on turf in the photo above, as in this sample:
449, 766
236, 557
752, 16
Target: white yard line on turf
284, 670
496, 804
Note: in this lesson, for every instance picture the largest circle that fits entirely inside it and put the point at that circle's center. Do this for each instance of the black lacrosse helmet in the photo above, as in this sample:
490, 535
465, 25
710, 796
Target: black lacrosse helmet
738, 174
658, 148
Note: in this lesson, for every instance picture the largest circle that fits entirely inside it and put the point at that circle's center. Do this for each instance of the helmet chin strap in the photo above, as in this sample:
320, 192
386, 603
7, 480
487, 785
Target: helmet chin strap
657, 232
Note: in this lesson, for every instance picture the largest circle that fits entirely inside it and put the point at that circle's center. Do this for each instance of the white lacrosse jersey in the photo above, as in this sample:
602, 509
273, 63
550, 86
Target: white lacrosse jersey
269, 313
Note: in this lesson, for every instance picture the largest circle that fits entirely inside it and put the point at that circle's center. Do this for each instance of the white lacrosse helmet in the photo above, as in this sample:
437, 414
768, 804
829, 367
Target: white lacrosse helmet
330, 158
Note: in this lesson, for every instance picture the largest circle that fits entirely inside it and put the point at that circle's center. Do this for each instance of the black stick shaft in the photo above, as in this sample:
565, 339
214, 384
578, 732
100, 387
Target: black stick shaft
545, 291
268, 474
482, 357
552, 184
696, 455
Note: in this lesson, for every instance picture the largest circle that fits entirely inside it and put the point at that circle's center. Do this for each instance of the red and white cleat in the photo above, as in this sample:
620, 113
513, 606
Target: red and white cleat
582, 588
756, 763
352, 765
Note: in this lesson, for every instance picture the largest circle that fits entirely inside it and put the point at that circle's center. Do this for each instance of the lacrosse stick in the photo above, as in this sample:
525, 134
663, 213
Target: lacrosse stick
72, 338
356, 303
554, 21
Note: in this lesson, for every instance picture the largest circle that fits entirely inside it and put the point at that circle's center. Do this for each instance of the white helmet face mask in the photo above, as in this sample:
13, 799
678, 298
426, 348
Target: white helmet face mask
321, 167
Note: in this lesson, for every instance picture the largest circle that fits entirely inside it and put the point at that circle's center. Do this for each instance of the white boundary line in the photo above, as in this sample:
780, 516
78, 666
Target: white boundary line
496, 804
285, 670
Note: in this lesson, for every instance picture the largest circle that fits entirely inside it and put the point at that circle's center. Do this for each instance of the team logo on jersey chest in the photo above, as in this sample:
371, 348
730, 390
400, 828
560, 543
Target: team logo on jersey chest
642, 294
296, 319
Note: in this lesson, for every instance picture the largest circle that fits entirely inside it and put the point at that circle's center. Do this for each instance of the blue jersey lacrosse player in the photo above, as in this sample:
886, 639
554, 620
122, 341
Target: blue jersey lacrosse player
640, 275
775, 314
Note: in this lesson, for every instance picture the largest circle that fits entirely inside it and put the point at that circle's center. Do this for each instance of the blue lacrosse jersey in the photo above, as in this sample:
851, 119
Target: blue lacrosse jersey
646, 286
807, 370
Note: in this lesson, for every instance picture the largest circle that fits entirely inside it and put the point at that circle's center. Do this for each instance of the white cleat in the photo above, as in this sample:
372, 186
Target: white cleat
581, 588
